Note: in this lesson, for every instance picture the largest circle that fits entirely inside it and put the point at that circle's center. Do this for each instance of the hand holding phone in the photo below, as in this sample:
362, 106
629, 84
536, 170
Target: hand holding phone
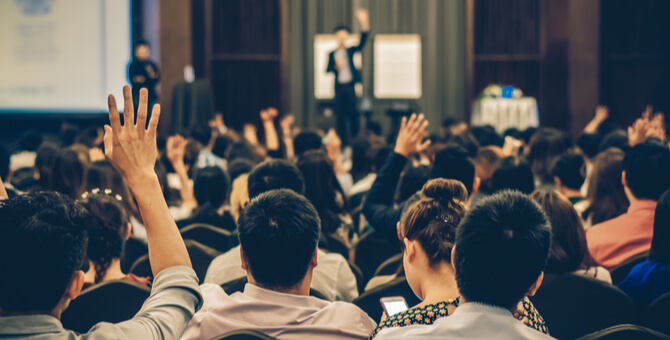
393, 305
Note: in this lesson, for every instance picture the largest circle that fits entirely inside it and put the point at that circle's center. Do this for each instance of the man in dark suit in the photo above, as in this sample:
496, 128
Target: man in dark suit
341, 63
143, 73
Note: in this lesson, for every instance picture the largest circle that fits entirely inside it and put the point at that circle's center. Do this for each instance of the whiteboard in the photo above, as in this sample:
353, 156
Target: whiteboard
324, 82
397, 66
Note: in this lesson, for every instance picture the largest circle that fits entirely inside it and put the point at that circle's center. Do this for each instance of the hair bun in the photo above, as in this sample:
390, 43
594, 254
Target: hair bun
445, 191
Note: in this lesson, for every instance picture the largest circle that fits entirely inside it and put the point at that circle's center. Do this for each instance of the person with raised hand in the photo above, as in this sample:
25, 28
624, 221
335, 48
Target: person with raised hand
44, 237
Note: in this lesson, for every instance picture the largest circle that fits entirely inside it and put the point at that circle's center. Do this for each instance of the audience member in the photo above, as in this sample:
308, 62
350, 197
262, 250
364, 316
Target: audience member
207, 140
569, 252
569, 174
512, 172
43, 242
644, 178
44, 164
305, 141
487, 158
69, 172
545, 145
210, 189
505, 239
239, 167
239, 195
651, 278
454, 163
278, 232
427, 232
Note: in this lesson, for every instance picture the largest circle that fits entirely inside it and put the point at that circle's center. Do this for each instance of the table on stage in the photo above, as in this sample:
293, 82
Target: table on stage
504, 113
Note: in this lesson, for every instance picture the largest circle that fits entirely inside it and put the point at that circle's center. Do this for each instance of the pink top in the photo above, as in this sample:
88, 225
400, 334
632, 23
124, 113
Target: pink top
614, 241
280, 315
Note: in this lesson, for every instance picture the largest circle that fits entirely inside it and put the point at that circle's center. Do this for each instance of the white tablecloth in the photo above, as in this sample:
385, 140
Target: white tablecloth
504, 113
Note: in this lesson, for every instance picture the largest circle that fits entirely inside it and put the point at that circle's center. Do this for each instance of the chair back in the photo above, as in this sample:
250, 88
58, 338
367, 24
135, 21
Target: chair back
622, 270
112, 301
369, 301
390, 266
657, 316
575, 305
208, 235
371, 250
625, 332
244, 334
201, 256
133, 249
359, 276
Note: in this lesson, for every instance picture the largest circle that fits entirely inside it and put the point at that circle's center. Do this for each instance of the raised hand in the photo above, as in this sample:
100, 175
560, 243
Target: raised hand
411, 134
363, 17
130, 147
269, 114
175, 149
602, 113
250, 134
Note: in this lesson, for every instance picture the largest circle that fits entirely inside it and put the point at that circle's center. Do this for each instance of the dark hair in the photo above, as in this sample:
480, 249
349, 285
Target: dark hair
660, 242
69, 171
30, 141
278, 232
102, 175
107, 225
605, 192
615, 139
502, 246
323, 189
42, 243
413, 179
44, 163
238, 167
545, 145
569, 168
485, 162
5, 159
221, 146
433, 219
141, 42
454, 163
512, 173
486, 136
210, 187
569, 251
527, 134
275, 174
305, 141
466, 141
341, 28
647, 168
589, 143
202, 134
242, 150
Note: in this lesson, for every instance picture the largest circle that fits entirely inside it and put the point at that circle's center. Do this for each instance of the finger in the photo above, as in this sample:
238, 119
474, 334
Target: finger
114, 119
142, 110
153, 122
403, 124
423, 146
128, 109
107, 140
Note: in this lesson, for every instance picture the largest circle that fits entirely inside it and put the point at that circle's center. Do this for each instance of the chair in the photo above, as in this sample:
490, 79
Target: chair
334, 245
623, 269
208, 235
656, 316
201, 256
112, 301
133, 249
237, 285
244, 334
575, 305
359, 276
371, 250
369, 301
390, 266
625, 332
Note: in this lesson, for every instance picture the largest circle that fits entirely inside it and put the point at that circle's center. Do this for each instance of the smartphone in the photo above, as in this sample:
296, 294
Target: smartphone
393, 305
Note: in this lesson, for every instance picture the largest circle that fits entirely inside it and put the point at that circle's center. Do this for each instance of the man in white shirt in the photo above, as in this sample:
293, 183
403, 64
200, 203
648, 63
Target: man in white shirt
502, 247
279, 232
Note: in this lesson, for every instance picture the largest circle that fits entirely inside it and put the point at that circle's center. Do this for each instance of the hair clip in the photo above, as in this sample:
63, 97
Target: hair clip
107, 192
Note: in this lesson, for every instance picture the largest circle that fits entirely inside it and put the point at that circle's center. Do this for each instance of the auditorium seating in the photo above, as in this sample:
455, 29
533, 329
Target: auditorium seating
112, 301
390, 266
244, 334
657, 315
133, 249
373, 249
208, 235
622, 270
369, 301
625, 332
201, 256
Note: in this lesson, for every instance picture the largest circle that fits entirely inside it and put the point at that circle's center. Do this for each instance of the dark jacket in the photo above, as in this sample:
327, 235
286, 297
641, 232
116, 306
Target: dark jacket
355, 75
378, 206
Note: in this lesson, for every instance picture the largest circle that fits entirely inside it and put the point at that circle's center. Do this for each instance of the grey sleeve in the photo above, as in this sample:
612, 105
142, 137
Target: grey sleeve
175, 297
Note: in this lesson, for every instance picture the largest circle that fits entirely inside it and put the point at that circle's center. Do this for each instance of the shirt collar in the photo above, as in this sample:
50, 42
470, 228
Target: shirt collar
642, 205
30, 324
481, 308
272, 296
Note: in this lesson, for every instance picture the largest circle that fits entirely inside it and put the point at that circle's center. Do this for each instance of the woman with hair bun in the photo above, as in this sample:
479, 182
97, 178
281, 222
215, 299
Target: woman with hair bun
427, 231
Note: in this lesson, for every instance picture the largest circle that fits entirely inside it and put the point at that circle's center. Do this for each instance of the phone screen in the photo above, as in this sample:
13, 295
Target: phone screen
394, 307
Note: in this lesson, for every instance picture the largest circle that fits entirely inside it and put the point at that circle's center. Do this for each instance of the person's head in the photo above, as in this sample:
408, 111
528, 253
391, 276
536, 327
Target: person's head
454, 163
238, 167
569, 251
487, 136
142, 50
210, 187
413, 179
466, 141
108, 228
202, 135
305, 141
322, 188
502, 247
278, 232
646, 170
605, 191
221, 146
242, 150
341, 34
545, 145
427, 230
615, 139
69, 171
44, 163
485, 162
513, 173
42, 248
589, 144
275, 174
102, 175
30, 141
569, 172
660, 242
453, 126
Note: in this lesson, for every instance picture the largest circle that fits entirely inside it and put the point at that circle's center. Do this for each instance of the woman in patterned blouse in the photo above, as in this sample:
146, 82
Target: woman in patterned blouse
427, 230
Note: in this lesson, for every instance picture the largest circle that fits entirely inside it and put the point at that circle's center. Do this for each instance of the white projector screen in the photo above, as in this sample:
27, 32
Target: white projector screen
63, 56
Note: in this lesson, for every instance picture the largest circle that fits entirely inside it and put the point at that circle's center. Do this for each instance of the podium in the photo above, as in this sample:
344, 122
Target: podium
192, 105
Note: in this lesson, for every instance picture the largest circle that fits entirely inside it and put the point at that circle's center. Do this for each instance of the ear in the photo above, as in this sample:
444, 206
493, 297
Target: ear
475, 184
453, 257
557, 181
536, 285
76, 284
245, 264
397, 229
315, 256
129, 230
624, 182
410, 249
